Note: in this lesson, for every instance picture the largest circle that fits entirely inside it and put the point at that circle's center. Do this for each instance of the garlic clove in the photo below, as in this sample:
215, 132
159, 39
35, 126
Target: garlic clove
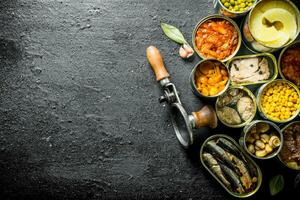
182, 52
186, 51
188, 48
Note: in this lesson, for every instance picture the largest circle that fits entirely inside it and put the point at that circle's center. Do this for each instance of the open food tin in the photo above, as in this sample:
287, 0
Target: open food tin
257, 139
266, 14
223, 10
256, 69
292, 62
200, 77
236, 107
266, 90
210, 38
288, 154
218, 154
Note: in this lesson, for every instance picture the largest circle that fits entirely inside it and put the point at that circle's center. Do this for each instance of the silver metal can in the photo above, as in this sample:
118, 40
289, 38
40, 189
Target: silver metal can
217, 17
245, 134
255, 168
260, 92
256, 46
296, 43
272, 64
280, 153
194, 84
222, 10
249, 94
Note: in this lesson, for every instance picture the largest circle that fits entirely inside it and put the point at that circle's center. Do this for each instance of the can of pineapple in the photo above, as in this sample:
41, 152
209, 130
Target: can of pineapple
271, 25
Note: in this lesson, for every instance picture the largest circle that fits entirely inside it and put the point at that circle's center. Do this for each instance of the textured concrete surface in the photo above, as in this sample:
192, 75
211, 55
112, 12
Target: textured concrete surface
79, 111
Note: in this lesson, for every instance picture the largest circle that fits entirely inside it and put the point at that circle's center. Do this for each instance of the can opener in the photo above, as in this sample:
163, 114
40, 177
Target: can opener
183, 124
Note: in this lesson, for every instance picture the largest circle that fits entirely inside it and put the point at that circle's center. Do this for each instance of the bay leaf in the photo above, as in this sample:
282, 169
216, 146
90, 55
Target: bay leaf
276, 184
173, 33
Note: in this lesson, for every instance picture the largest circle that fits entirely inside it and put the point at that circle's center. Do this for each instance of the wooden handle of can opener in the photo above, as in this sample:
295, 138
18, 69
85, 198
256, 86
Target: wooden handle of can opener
205, 117
157, 64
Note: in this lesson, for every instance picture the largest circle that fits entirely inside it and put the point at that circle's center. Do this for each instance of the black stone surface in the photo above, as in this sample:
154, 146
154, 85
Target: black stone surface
79, 115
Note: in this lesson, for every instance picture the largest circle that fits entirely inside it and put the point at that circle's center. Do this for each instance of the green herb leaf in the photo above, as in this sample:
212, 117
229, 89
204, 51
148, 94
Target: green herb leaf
173, 33
276, 184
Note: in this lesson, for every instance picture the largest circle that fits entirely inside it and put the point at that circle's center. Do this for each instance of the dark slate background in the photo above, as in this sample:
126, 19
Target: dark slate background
79, 111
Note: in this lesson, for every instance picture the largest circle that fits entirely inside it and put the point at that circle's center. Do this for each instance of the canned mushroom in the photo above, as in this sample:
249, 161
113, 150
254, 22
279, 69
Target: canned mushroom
262, 139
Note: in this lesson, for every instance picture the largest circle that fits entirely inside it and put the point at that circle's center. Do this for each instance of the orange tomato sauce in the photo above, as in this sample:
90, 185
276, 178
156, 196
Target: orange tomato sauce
216, 38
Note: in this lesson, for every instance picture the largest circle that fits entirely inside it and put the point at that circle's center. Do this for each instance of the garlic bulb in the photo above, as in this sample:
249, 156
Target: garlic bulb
186, 51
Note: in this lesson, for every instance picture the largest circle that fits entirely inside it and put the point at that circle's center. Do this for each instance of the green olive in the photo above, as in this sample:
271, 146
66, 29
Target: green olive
236, 8
223, 2
232, 2
242, 5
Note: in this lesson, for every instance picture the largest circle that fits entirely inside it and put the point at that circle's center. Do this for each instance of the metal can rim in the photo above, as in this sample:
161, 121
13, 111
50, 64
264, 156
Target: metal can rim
246, 130
192, 79
297, 12
244, 12
297, 42
258, 100
256, 55
259, 173
279, 157
250, 119
216, 16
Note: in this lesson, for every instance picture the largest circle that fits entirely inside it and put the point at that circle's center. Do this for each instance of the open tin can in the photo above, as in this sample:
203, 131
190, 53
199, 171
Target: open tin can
280, 59
221, 9
287, 148
232, 105
257, 46
254, 125
259, 100
272, 69
237, 151
197, 70
217, 17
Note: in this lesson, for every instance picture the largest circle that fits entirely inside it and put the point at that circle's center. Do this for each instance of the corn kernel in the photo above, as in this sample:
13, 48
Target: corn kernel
280, 101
